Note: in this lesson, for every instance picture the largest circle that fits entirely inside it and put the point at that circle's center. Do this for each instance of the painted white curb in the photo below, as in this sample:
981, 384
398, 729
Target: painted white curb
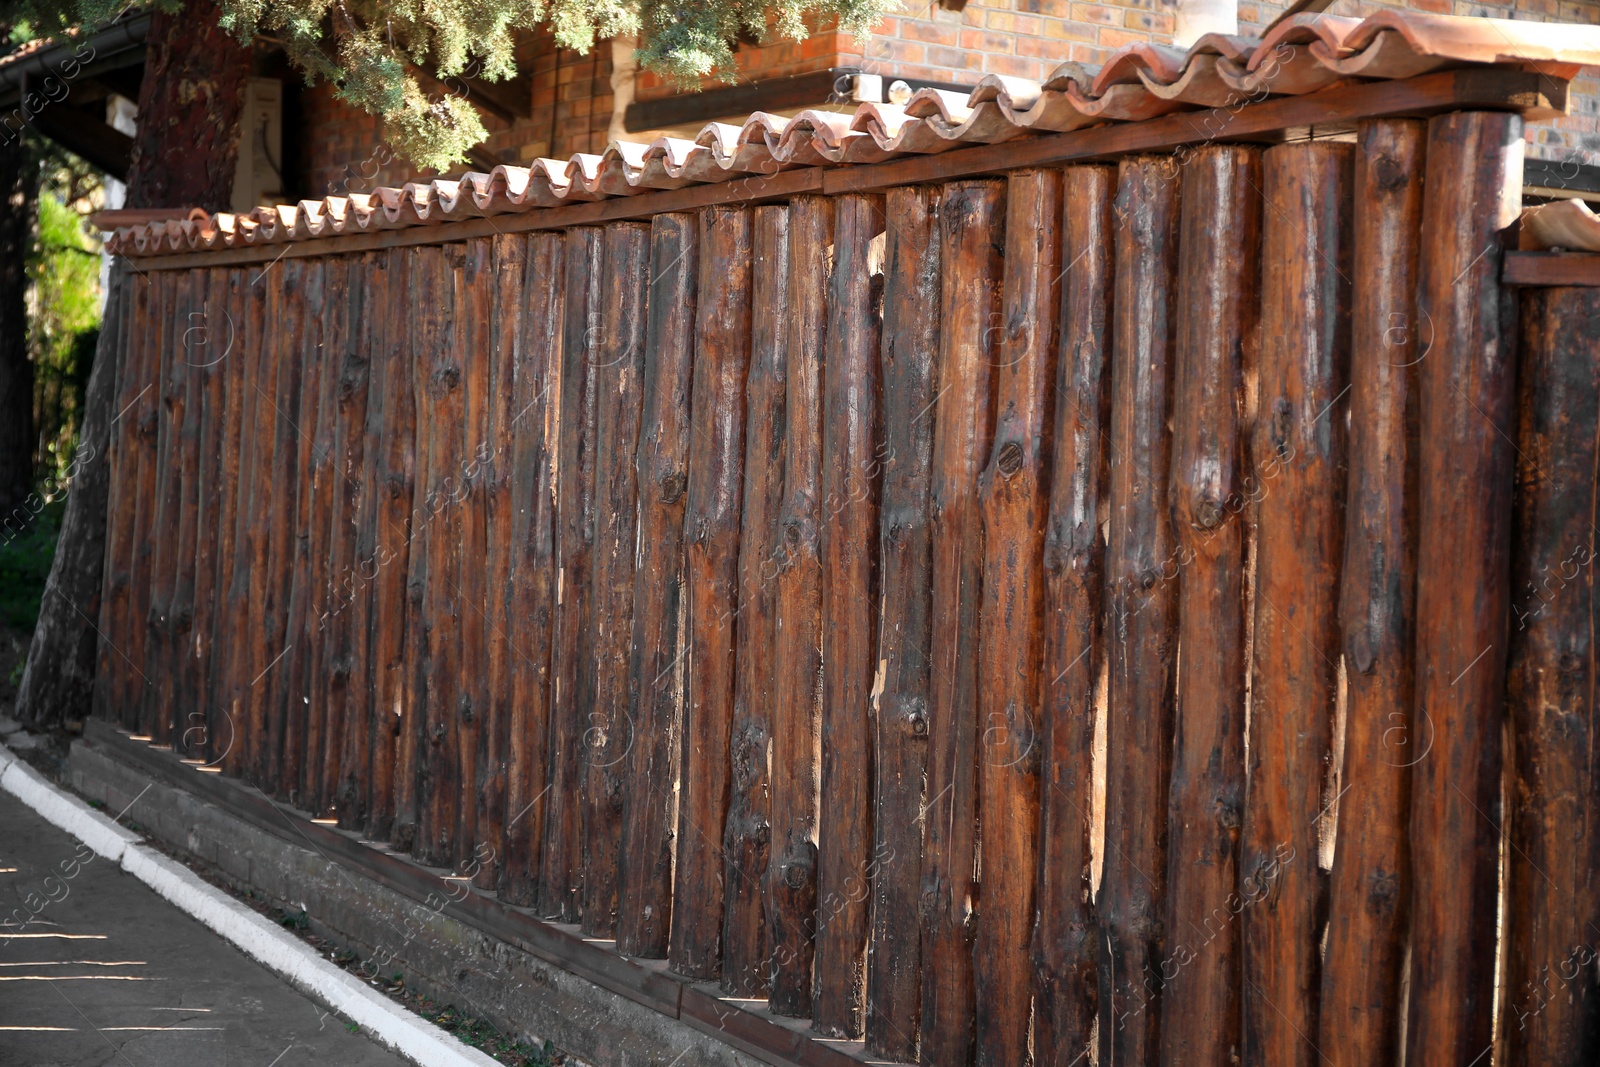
274, 948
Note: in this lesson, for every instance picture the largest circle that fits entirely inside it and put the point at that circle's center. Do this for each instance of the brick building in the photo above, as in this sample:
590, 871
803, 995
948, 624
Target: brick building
565, 102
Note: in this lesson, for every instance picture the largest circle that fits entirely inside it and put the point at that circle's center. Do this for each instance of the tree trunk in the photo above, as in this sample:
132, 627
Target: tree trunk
184, 155
19, 186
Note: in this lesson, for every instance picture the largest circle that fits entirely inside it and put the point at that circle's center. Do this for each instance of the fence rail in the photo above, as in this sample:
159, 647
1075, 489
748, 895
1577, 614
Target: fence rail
990, 618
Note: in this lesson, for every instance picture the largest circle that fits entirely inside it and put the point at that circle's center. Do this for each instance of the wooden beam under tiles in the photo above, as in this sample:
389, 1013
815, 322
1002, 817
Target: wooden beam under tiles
1284, 118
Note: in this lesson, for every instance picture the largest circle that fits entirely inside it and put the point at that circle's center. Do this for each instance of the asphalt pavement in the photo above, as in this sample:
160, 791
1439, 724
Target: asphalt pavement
97, 970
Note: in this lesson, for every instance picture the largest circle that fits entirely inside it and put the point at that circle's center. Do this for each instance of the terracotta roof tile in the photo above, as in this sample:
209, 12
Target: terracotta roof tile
1302, 54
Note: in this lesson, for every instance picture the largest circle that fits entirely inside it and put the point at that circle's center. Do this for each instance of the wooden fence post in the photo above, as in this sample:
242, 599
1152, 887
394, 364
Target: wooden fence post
909, 351
972, 238
647, 758
1217, 309
746, 947
531, 602
619, 373
1298, 455
571, 654
182, 665
1014, 501
386, 552
148, 413
1553, 880
493, 764
1066, 942
1472, 199
711, 561
851, 467
1369, 892
1141, 612
346, 691
791, 878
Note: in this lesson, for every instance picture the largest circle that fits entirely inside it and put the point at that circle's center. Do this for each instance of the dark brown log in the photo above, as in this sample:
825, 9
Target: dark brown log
1066, 942
286, 329
208, 355
647, 760
791, 878
473, 343
172, 392
185, 532
1464, 486
344, 688
115, 674
531, 601
298, 731
1217, 312
746, 952
422, 273
572, 646
320, 750
908, 350
386, 552
972, 237
1013, 497
238, 410
852, 463
442, 288
1553, 878
1141, 612
237, 627
505, 335
147, 416
711, 566
619, 373
1297, 458
1370, 888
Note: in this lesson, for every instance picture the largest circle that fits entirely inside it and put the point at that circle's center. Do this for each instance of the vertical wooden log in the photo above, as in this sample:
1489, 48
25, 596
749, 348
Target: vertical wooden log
473, 344
209, 354
147, 416
1066, 942
1554, 880
423, 273
711, 564
1014, 501
972, 221
386, 552
746, 953
227, 344
531, 601
320, 767
344, 688
1217, 310
1141, 617
239, 625
114, 673
851, 469
656, 675
439, 784
572, 648
124, 347
1472, 202
286, 329
299, 724
505, 334
908, 351
619, 380
1298, 455
159, 659
190, 357
791, 878
1370, 888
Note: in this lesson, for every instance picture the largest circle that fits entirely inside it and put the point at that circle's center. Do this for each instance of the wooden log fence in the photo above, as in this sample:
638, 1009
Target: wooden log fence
1136, 607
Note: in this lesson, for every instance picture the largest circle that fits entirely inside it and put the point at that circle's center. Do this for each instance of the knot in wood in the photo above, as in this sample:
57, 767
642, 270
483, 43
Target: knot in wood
672, 486
464, 709
1009, 461
794, 875
1207, 513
